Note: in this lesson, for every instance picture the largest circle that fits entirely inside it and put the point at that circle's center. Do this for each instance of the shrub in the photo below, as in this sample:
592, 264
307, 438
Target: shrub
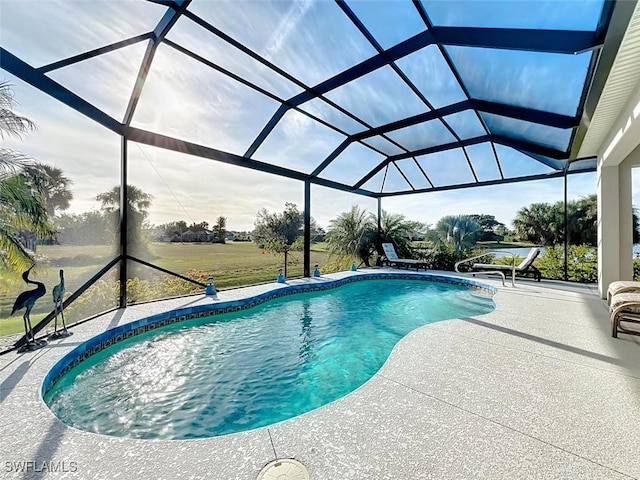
443, 257
636, 268
582, 263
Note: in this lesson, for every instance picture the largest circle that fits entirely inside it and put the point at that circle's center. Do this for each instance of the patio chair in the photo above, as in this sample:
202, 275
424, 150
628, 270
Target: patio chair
625, 307
393, 259
621, 286
525, 267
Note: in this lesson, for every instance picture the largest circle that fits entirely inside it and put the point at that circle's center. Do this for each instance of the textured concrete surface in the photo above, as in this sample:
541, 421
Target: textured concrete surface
536, 389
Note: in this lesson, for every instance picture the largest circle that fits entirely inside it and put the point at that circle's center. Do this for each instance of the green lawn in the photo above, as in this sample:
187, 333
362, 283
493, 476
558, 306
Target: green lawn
232, 264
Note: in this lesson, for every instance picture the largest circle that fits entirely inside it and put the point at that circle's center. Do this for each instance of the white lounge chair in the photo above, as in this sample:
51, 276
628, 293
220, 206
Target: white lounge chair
525, 267
393, 259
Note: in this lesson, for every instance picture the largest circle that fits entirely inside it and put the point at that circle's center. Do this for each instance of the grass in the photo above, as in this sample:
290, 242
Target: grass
232, 264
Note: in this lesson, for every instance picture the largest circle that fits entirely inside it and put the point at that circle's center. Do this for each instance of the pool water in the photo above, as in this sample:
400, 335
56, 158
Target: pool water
238, 371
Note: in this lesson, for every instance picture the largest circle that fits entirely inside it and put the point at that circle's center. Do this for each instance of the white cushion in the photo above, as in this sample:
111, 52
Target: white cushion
631, 299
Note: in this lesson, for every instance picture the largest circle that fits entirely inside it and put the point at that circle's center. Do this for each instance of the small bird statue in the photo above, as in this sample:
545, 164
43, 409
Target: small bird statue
26, 300
58, 297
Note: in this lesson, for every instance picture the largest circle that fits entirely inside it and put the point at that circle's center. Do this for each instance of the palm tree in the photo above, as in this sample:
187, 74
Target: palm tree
21, 205
55, 187
351, 235
137, 200
536, 223
460, 231
138, 203
395, 228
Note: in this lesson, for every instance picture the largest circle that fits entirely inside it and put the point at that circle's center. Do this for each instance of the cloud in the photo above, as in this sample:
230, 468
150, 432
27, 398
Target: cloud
288, 25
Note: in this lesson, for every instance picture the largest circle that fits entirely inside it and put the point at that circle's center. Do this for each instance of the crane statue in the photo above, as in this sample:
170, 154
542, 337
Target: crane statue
26, 300
58, 297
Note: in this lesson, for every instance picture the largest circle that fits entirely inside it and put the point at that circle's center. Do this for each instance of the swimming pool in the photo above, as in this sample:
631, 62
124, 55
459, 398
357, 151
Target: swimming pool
241, 370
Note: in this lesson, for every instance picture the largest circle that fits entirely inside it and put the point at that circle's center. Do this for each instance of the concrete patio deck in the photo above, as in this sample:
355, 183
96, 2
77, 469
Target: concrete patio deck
537, 389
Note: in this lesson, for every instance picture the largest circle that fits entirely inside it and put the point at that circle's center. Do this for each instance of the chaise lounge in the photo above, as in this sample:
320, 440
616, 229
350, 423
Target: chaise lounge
624, 307
622, 286
393, 259
525, 267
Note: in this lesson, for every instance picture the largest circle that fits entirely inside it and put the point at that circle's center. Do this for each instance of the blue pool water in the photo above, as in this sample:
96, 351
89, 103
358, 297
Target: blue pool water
238, 371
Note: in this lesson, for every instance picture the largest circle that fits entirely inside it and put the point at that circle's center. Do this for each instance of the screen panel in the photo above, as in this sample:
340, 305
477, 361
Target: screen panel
106, 81
412, 171
446, 168
287, 34
298, 142
394, 181
430, 73
466, 124
544, 135
389, 21
53, 27
483, 161
378, 98
195, 38
527, 14
422, 135
538, 80
517, 164
352, 164
185, 99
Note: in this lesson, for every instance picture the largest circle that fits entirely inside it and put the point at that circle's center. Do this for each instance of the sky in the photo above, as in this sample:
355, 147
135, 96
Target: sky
182, 98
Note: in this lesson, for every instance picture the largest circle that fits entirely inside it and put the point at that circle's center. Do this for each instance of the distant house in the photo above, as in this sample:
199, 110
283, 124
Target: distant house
230, 236
191, 236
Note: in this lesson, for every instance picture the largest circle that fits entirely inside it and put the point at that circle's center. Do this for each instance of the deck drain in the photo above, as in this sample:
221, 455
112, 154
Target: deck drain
284, 469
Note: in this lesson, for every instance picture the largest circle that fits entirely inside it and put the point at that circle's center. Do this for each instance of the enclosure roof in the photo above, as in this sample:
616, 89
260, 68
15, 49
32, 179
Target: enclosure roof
376, 97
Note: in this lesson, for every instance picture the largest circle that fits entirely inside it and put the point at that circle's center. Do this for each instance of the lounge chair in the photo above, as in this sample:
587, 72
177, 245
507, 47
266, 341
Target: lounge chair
621, 286
525, 267
393, 259
625, 307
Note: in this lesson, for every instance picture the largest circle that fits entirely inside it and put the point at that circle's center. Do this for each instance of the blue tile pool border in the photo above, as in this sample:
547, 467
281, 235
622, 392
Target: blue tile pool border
128, 330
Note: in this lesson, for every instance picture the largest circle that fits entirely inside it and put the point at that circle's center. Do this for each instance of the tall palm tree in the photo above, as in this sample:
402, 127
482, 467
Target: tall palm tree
138, 203
55, 187
21, 205
137, 200
536, 223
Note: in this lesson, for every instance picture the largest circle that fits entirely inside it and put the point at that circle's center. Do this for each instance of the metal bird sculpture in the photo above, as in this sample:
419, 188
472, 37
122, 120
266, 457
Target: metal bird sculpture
58, 297
26, 300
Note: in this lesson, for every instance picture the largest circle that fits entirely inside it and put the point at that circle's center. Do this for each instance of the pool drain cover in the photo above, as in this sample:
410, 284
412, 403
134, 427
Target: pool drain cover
284, 469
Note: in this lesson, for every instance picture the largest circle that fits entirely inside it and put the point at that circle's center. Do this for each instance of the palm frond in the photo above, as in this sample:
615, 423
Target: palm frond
13, 256
12, 163
12, 124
